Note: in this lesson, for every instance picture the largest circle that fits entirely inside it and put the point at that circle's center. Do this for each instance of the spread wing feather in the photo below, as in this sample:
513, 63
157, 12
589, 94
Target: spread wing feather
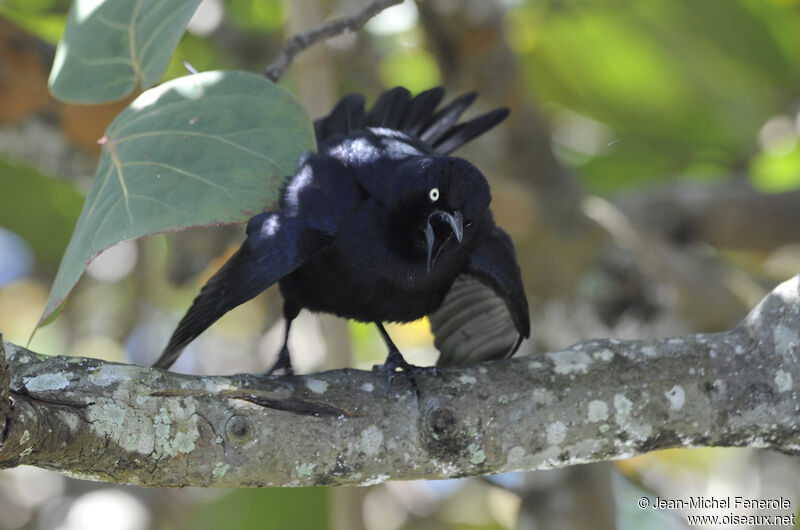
347, 116
420, 109
440, 123
485, 314
275, 246
462, 133
388, 109
416, 117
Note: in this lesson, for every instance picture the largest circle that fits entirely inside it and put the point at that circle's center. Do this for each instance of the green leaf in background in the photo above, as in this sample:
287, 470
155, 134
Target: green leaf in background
201, 150
777, 171
683, 85
39, 208
202, 53
267, 509
261, 15
109, 47
416, 70
46, 26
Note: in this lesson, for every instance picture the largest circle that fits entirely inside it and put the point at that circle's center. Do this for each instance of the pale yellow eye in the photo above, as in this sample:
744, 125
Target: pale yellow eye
434, 194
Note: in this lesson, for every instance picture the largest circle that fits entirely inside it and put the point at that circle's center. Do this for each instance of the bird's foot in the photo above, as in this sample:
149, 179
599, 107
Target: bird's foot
395, 361
283, 364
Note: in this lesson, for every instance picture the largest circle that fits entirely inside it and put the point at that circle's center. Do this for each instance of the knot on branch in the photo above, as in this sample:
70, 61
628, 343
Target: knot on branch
238, 429
450, 436
441, 427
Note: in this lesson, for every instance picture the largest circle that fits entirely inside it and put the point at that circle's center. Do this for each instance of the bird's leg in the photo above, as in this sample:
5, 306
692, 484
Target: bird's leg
395, 360
284, 361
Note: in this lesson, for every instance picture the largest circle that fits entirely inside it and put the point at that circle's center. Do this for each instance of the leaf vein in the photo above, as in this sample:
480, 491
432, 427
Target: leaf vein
132, 40
146, 114
158, 29
222, 139
153, 199
110, 23
99, 61
92, 245
121, 177
182, 172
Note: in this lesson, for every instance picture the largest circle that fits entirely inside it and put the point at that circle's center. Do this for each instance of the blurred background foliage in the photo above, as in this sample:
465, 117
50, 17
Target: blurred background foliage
649, 174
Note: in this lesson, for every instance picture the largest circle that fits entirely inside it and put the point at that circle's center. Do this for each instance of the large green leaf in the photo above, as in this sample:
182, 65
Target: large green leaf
201, 150
110, 46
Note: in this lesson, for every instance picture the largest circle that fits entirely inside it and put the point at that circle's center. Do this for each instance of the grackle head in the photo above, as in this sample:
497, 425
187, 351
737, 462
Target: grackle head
439, 202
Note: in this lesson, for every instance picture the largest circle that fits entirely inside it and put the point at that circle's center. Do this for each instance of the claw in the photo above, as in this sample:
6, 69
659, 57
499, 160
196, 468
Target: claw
283, 363
394, 361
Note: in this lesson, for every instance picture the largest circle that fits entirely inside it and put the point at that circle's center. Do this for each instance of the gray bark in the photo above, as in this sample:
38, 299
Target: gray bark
595, 401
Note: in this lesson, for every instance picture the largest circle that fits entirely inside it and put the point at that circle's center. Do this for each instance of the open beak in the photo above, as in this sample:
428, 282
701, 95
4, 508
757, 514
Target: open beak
456, 223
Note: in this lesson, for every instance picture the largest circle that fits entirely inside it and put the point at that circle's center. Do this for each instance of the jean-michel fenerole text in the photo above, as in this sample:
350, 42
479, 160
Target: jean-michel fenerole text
716, 503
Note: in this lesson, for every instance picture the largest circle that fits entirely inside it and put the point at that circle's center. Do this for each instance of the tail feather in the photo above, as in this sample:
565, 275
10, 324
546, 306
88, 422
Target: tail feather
420, 109
347, 116
442, 121
464, 132
389, 108
417, 117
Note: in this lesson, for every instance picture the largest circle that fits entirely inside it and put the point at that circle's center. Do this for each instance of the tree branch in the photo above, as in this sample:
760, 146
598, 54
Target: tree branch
731, 214
597, 400
335, 27
5, 401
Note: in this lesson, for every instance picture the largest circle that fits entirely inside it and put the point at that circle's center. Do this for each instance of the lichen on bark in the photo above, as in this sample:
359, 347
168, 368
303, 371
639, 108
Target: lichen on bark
596, 400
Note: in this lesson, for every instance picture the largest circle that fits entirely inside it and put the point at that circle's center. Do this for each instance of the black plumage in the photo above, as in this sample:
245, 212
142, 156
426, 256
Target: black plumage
380, 225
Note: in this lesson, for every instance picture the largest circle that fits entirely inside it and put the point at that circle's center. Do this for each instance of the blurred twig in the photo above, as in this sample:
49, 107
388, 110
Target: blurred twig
335, 27
473, 51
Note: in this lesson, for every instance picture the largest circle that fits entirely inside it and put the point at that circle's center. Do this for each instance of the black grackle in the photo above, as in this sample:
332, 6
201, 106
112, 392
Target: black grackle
381, 225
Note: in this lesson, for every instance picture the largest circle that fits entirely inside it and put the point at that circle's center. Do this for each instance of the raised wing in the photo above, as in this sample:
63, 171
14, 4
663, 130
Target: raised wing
485, 314
416, 117
275, 246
